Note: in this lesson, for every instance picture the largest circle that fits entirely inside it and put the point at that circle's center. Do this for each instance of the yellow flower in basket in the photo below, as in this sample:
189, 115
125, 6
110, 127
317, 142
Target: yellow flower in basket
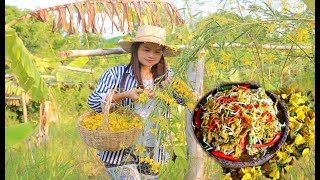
110, 131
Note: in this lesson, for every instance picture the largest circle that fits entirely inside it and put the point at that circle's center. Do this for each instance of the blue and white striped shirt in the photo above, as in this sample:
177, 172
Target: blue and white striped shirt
111, 79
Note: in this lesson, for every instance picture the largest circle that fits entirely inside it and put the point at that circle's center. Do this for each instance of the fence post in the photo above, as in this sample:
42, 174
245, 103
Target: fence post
24, 106
194, 150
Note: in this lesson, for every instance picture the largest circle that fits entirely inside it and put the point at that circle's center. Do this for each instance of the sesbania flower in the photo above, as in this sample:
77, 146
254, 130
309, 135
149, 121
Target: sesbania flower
148, 160
122, 146
155, 167
153, 131
116, 122
227, 176
143, 97
165, 96
185, 92
139, 149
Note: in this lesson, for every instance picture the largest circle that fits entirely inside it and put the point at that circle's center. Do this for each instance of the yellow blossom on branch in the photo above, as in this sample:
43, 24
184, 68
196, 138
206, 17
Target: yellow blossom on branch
155, 167
139, 149
148, 160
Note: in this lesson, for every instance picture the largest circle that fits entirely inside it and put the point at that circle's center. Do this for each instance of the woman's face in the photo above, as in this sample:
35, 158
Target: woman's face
149, 54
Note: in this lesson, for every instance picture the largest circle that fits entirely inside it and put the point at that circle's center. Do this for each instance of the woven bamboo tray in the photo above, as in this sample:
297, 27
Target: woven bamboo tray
106, 140
272, 151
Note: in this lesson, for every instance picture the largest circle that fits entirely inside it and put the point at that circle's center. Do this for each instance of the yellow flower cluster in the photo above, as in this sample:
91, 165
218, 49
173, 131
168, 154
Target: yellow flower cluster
117, 122
302, 35
143, 97
154, 165
165, 96
186, 92
299, 141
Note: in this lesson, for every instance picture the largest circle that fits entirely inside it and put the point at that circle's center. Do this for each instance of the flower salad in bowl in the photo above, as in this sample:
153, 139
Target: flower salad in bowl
238, 123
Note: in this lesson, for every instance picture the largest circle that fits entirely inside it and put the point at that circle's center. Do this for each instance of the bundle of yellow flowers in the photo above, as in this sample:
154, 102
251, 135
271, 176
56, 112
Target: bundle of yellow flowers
117, 122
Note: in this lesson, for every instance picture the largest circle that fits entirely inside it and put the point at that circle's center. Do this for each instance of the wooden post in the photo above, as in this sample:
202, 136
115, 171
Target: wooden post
24, 106
43, 131
194, 150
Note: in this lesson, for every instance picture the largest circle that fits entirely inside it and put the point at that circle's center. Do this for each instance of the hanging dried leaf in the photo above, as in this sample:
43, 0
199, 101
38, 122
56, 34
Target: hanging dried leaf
92, 14
71, 28
41, 15
137, 8
81, 19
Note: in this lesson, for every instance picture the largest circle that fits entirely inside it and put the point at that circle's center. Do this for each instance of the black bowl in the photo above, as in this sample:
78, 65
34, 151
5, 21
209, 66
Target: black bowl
282, 116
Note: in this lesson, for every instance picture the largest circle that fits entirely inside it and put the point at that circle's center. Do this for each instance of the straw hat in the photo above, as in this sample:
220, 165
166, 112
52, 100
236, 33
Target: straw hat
149, 33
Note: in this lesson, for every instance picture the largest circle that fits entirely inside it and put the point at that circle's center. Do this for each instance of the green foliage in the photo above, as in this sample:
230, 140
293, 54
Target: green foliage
262, 25
17, 133
23, 67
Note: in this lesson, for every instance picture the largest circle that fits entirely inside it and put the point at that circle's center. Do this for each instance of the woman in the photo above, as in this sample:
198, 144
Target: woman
147, 68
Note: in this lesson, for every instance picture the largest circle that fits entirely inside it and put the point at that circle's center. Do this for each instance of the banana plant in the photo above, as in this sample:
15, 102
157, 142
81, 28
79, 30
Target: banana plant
22, 65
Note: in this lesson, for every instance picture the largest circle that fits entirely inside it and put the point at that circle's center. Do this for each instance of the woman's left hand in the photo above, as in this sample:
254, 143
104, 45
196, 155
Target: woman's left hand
166, 81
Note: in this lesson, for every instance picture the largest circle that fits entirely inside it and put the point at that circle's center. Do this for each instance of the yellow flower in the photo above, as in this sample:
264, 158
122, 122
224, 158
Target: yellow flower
122, 146
246, 170
300, 115
275, 173
305, 152
155, 119
155, 167
310, 138
282, 155
287, 160
284, 96
288, 167
299, 140
148, 160
153, 130
227, 177
246, 176
140, 149
141, 159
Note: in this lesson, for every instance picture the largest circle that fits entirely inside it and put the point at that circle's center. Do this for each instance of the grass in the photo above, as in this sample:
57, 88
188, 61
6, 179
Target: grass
65, 156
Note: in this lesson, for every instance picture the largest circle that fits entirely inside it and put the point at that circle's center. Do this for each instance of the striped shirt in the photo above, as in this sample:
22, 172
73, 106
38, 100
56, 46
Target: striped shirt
111, 79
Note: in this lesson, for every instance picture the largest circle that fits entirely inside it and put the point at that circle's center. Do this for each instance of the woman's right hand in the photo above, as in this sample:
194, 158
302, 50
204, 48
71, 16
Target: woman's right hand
134, 93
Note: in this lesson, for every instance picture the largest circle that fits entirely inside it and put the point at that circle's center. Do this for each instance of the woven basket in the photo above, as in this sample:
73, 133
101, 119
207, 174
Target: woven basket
106, 140
272, 151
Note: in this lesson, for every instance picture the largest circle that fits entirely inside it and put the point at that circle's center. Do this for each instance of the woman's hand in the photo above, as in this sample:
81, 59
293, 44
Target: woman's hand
134, 93
166, 81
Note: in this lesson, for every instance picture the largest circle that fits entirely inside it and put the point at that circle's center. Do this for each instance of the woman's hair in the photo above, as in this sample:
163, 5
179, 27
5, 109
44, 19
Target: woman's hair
158, 70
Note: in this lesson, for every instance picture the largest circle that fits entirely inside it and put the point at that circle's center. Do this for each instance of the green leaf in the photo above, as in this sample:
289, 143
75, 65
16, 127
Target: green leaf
179, 151
182, 163
17, 133
174, 129
20, 60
